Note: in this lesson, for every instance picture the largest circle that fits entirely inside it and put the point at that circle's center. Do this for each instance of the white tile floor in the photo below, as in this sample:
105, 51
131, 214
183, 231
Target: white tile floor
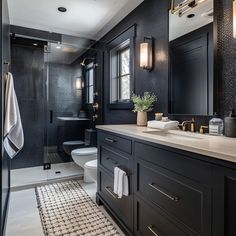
34, 175
23, 216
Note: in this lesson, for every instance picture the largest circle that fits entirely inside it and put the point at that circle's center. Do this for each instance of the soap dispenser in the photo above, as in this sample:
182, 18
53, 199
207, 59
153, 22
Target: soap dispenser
216, 125
230, 125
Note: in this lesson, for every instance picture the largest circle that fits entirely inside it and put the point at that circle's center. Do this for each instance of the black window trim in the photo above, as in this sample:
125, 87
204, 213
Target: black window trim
128, 34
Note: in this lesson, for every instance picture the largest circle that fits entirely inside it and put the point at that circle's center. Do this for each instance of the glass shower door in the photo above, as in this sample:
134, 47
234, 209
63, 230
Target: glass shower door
64, 103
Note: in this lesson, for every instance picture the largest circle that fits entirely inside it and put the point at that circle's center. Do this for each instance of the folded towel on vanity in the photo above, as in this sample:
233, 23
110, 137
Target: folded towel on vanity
121, 182
13, 131
172, 124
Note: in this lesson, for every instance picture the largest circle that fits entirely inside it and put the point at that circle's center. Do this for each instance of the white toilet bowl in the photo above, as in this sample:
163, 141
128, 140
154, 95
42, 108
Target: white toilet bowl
90, 169
82, 155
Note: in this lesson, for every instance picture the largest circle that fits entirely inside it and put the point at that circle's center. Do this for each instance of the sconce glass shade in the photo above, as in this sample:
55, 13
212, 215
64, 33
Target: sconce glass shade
146, 54
78, 84
234, 18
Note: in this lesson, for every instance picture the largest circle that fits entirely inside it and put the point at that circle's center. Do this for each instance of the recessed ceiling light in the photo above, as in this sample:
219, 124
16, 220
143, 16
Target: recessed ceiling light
35, 44
62, 9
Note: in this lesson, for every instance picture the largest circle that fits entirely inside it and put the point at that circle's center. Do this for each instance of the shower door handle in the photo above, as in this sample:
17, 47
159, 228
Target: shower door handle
51, 116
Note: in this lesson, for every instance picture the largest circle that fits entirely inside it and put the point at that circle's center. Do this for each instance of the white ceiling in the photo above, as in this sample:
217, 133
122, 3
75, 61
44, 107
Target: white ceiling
84, 18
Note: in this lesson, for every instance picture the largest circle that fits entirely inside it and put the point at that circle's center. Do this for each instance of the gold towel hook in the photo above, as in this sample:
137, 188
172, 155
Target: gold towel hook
7, 63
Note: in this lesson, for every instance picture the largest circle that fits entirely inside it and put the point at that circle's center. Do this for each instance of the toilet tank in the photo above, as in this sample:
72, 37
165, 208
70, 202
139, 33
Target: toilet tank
90, 137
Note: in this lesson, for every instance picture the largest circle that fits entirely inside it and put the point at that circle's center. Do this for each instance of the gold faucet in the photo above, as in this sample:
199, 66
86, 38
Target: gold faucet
202, 129
187, 122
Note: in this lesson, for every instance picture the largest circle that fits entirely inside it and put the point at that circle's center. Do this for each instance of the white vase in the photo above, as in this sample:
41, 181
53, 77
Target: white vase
142, 118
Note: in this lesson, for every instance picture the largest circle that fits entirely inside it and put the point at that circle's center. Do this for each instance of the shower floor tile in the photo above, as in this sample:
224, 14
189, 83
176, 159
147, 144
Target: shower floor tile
35, 175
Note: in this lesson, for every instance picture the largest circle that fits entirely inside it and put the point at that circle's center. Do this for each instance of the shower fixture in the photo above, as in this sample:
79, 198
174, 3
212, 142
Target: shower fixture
88, 58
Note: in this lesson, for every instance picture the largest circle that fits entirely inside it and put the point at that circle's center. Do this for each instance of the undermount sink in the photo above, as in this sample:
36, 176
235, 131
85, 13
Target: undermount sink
175, 135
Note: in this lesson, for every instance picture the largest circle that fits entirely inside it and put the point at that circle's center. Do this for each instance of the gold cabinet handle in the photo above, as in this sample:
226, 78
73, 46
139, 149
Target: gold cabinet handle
173, 198
110, 140
108, 189
150, 227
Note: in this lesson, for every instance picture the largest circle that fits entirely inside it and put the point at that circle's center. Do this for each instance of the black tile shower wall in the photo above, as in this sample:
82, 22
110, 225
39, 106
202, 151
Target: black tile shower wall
151, 18
64, 98
27, 69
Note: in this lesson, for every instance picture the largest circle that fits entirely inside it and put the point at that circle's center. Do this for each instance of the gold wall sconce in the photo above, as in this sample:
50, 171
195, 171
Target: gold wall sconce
146, 53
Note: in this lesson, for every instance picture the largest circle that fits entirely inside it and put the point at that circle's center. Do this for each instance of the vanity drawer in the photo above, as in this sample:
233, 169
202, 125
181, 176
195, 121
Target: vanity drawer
183, 199
114, 141
150, 221
121, 207
109, 160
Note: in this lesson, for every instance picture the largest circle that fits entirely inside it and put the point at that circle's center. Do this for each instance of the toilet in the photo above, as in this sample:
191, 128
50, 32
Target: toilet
90, 170
81, 157
90, 139
69, 146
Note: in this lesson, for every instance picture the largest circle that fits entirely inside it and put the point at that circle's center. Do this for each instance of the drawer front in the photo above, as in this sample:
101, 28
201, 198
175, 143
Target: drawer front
121, 207
109, 160
184, 200
114, 141
151, 222
176, 162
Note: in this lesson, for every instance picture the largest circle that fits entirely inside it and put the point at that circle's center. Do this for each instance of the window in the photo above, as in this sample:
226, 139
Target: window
120, 61
120, 73
89, 83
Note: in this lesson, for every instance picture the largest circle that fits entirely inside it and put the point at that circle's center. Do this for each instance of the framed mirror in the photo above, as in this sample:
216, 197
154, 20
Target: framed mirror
191, 57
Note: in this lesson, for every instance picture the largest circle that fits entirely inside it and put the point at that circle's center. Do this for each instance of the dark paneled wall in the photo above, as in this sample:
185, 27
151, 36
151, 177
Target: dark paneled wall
27, 69
5, 161
151, 18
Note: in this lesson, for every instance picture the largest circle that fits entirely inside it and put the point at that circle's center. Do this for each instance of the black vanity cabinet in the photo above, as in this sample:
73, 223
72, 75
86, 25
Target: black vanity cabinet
176, 188
115, 151
172, 192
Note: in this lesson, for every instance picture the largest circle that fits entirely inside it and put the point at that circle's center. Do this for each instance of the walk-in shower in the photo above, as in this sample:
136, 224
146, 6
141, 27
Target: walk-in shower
52, 106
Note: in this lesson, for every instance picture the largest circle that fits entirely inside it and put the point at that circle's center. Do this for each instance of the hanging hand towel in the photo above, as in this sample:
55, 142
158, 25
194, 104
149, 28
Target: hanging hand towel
121, 184
125, 183
116, 180
13, 131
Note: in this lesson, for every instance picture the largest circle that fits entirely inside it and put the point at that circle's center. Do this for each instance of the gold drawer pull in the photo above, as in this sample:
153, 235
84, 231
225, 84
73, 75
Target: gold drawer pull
150, 227
110, 140
173, 198
108, 189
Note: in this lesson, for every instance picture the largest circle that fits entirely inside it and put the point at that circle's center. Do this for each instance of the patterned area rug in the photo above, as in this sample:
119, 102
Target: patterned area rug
67, 210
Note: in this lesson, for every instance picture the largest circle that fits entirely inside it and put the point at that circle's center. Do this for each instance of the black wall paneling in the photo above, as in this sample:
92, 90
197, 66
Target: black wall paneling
151, 18
5, 161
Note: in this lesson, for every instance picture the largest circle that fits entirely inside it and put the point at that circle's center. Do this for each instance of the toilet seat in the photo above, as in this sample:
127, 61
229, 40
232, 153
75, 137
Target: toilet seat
84, 151
90, 170
91, 164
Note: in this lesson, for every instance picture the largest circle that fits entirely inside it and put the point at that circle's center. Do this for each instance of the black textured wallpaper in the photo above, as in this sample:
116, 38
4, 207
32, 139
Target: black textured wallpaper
226, 57
151, 18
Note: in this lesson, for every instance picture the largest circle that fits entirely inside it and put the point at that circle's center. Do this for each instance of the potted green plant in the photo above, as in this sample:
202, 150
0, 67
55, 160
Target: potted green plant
142, 105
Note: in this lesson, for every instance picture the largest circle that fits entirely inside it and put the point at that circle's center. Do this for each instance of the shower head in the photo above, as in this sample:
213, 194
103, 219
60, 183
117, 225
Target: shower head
86, 58
83, 62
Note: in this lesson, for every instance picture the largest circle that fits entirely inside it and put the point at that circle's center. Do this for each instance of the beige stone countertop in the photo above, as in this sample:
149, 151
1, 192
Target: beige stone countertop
219, 147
